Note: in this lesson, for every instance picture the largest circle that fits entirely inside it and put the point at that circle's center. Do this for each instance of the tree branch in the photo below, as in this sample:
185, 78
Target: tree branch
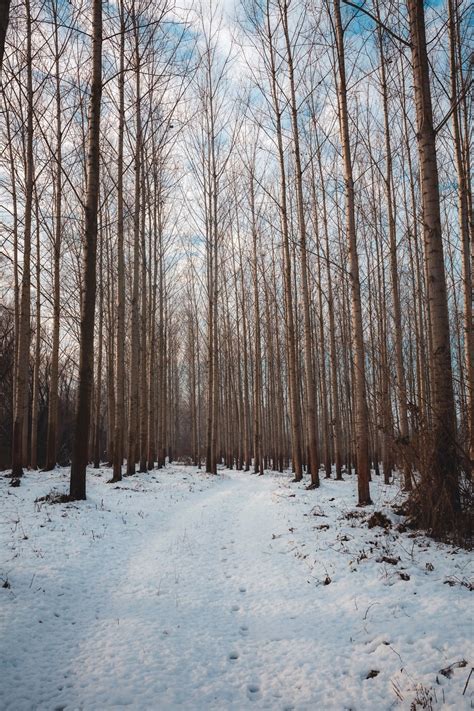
378, 22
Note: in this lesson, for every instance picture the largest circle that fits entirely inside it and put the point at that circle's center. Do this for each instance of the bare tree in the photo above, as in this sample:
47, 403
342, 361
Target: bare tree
439, 502
361, 420
86, 356
20, 420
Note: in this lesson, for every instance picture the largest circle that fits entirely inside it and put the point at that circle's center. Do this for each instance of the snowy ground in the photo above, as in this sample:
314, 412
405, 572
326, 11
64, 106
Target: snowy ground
180, 590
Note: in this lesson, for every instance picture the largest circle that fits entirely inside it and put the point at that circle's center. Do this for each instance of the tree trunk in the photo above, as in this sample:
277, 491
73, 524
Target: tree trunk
309, 381
257, 424
440, 501
86, 357
4, 18
287, 278
36, 368
98, 384
361, 413
52, 436
120, 346
144, 406
467, 238
133, 417
403, 439
23, 357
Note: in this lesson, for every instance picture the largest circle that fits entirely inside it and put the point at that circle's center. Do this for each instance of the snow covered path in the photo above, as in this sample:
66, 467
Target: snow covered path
179, 590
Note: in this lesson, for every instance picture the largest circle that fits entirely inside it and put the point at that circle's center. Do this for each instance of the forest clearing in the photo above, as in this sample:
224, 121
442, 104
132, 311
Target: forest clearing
180, 589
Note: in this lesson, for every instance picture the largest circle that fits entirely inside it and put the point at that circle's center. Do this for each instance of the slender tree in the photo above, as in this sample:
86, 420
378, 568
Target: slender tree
86, 353
20, 420
361, 417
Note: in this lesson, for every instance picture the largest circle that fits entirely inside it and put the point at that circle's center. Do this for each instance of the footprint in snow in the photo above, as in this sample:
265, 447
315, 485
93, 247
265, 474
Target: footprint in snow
235, 608
243, 630
242, 589
253, 691
233, 656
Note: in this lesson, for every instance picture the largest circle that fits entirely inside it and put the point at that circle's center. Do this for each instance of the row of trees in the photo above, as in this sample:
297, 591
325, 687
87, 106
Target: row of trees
248, 242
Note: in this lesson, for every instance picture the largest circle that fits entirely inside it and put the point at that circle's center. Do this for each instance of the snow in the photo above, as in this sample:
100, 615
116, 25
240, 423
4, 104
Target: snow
181, 590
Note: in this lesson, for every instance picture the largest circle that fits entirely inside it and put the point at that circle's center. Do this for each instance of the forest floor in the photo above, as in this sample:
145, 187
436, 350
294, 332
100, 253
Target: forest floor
177, 589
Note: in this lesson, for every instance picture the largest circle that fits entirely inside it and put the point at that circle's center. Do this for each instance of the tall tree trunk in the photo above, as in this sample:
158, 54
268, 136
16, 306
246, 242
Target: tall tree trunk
309, 380
440, 500
52, 435
120, 346
467, 238
144, 405
22, 369
397, 315
246, 398
133, 417
287, 271
361, 412
86, 357
155, 229
98, 384
36, 367
160, 441
110, 351
257, 423
336, 421
16, 288
4, 18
